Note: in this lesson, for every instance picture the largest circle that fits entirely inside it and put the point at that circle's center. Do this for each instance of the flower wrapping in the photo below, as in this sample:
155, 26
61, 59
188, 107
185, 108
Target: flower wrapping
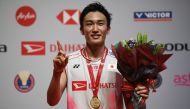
140, 61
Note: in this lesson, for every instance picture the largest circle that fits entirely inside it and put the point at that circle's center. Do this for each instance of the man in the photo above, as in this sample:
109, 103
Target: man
89, 75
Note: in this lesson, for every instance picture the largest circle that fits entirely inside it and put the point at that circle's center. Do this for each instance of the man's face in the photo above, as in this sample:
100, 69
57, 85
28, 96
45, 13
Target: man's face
95, 28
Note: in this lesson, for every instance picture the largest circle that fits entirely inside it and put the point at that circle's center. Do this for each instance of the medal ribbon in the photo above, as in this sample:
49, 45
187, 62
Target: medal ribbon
95, 83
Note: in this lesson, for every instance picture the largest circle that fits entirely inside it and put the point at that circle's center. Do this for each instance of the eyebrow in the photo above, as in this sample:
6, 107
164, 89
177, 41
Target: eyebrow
95, 21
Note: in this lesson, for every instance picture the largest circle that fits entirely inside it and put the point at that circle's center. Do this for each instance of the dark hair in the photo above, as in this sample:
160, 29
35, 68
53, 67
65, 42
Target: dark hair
93, 7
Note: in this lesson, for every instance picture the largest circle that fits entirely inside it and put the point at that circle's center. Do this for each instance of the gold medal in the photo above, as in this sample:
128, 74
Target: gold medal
95, 102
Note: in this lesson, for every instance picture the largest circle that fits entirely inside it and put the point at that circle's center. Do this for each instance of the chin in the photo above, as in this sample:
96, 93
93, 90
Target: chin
97, 43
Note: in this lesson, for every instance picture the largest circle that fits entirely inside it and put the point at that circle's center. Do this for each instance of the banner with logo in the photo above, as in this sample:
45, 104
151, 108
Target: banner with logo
29, 31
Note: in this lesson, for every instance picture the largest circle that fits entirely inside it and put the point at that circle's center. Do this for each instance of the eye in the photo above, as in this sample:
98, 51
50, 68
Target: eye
88, 23
101, 23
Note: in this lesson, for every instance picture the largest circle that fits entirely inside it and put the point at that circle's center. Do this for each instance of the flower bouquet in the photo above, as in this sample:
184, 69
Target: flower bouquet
139, 61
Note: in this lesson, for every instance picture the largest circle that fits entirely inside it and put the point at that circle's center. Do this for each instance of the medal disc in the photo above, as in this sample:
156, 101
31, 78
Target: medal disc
95, 102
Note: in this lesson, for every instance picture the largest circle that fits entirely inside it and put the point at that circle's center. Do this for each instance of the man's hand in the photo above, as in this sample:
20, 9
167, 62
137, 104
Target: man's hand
142, 91
60, 61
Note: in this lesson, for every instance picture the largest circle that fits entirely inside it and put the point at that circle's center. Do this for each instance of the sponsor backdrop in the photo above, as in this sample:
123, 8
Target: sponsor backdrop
29, 30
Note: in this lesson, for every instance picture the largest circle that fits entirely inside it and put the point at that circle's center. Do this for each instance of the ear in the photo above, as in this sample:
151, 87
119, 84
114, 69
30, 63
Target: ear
81, 31
109, 28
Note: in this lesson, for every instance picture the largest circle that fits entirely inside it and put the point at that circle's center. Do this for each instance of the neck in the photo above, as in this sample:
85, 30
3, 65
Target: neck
95, 52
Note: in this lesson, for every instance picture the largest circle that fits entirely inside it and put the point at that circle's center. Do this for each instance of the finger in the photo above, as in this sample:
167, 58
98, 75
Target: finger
62, 60
57, 60
144, 96
59, 46
61, 53
142, 92
140, 87
66, 60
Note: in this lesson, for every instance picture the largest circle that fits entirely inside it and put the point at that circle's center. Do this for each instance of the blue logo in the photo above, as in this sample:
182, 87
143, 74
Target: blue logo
153, 16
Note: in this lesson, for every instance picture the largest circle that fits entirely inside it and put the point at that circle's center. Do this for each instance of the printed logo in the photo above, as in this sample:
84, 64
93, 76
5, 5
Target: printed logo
79, 85
25, 16
67, 47
33, 48
69, 17
24, 82
3, 48
95, 67
177, 47
76, 66
153, 16
83, 85
182, 80
105, 85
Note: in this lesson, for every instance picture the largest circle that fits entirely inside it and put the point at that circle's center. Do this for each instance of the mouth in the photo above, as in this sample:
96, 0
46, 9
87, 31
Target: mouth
95, 36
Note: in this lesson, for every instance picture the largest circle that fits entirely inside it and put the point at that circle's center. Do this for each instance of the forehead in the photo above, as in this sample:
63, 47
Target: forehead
95, 16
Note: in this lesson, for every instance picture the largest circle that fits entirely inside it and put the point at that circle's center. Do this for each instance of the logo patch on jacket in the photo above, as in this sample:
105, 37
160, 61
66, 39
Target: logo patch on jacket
79, 85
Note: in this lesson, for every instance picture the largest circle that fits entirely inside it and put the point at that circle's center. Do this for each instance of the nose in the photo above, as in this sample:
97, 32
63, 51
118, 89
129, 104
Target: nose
95, 28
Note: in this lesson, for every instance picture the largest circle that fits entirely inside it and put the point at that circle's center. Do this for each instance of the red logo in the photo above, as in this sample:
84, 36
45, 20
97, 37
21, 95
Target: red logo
25, 16
69, 16
79, 85
67, 47
33, 48
182, 80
